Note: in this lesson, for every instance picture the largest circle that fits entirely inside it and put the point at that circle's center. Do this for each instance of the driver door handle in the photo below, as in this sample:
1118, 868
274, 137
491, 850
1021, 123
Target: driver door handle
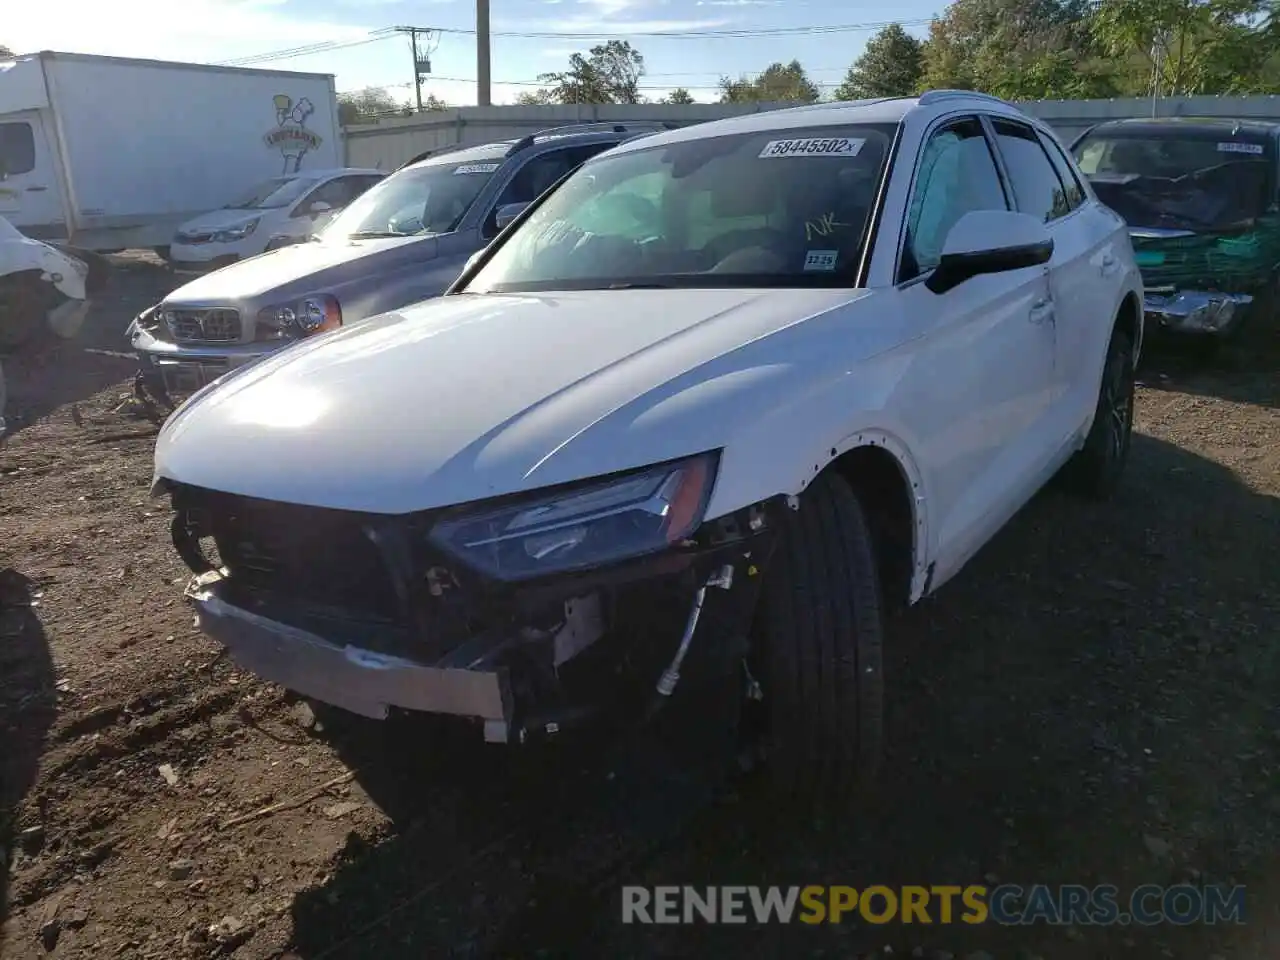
1042, 310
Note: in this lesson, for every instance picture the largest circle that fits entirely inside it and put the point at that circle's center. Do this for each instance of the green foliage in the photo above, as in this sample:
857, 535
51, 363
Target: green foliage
891, 65
777, 83
1189, 46
679, 96
374, 103
1017, 49
609, 73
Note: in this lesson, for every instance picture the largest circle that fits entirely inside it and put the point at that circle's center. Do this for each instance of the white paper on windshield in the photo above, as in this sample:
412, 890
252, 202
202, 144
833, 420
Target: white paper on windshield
1254, 148
476, 168
813, 147
820, 260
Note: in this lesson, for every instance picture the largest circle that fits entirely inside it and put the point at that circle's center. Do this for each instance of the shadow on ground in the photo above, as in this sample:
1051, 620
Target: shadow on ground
1245, 369
27, 707
1091, 701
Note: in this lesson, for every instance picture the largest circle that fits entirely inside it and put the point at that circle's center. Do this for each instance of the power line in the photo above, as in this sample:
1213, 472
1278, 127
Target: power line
745, 32
324, 46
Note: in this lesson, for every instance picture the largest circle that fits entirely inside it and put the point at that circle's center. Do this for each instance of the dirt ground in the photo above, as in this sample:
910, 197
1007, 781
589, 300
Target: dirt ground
1093, 700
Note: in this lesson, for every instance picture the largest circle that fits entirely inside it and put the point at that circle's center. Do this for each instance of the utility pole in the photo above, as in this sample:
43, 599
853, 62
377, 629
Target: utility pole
421, 59
482, 53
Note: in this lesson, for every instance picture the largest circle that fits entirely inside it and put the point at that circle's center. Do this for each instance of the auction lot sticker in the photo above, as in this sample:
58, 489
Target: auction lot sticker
813, 147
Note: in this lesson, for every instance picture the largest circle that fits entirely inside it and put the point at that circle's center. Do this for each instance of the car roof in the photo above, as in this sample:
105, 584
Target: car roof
1138, 126
322, 172
830, 113
587, 132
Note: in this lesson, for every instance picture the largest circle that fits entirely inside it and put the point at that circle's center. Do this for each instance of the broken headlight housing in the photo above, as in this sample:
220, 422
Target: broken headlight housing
318, 313
587, 525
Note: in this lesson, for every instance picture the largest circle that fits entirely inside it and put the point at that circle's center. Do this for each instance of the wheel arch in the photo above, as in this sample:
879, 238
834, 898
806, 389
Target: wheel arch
1129, 319
884, 475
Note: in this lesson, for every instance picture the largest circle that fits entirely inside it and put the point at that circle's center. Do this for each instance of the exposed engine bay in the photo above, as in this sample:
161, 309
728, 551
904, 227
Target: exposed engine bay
362, 612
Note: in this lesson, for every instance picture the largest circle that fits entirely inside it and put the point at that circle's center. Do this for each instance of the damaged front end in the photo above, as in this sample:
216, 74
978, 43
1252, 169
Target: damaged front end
1207, 243
528, 614
44, 287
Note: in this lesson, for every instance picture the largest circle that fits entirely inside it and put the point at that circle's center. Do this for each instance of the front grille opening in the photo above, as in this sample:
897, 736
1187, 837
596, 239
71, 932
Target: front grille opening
322, 559
205, 326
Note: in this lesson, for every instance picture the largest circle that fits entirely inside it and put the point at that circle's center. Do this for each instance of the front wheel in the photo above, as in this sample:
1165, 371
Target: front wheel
818, 648
1096, 468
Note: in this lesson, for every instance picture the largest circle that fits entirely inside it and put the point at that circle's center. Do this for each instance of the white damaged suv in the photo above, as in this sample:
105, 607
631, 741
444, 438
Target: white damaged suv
696, 421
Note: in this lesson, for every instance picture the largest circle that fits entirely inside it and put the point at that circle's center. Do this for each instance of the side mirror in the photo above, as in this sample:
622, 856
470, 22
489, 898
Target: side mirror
990, 241
318, 207
508, 212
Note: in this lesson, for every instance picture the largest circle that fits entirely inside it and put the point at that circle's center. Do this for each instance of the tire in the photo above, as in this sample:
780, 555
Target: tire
1095, 470
818, 649
24, 304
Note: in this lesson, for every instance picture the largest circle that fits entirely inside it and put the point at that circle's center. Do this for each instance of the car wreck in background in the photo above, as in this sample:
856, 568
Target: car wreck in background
403, 240
42, 287
1200, 197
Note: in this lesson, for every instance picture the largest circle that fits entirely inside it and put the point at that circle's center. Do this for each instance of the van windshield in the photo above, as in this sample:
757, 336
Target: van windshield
769, 208
276, 192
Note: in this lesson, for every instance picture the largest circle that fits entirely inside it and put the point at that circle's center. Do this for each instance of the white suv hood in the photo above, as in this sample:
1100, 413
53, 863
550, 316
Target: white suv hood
467, 397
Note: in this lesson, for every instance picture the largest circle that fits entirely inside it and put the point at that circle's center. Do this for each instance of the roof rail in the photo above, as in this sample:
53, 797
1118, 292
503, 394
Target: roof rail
933, 96
603, 126
433, 152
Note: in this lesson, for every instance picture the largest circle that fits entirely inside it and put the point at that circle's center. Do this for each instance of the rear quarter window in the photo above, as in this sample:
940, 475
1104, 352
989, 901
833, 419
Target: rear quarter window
17, 149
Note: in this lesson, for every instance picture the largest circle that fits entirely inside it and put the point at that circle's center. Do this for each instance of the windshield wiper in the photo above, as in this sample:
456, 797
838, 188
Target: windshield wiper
639, 286
374, 235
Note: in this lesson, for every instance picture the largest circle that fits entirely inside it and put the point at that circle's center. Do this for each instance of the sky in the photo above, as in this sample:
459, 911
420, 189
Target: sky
216, 31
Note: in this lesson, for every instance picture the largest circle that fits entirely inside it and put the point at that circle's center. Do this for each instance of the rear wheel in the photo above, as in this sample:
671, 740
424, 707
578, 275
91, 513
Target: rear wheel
1096, 469
818, 649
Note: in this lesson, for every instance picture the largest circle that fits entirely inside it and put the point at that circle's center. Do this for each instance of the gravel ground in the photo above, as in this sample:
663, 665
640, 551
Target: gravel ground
1093, 700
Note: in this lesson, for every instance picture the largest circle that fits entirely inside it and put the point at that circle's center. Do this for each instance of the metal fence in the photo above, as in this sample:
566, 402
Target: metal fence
391, 142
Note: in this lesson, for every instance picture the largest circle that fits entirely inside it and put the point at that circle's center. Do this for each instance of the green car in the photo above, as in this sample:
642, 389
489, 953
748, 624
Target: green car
1202, 200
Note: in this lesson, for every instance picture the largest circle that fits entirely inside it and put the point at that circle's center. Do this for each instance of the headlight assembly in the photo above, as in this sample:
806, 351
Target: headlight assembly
235, 233
318, 313
591, 525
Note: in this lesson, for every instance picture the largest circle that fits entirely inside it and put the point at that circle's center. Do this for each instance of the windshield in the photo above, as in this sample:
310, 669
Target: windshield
1178, 181
276, 192
773, 208
430, 199
1162, 156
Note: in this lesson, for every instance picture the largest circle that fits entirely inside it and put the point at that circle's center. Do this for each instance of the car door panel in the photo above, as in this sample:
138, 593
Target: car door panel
974, 394
980, 379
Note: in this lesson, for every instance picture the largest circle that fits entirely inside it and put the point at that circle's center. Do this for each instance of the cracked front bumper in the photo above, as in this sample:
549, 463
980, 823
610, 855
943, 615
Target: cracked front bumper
1196, 312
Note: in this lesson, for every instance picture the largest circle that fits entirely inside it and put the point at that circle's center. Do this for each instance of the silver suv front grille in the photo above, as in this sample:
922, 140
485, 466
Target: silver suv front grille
216, 325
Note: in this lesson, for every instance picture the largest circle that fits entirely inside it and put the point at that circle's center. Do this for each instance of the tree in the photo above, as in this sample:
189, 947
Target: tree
678, 96
1018, 49
890, 66
610, 73
778, 83
535, 98
368, 105
1191, 46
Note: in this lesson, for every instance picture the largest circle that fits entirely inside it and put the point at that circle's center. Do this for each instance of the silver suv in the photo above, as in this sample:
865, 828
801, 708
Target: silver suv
402, 241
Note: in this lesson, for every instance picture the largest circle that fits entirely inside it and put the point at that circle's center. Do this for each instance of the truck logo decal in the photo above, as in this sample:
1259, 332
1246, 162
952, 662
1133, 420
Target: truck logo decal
291, 136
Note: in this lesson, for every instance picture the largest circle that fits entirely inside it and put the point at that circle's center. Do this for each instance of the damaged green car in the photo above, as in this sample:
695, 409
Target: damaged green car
1202, 200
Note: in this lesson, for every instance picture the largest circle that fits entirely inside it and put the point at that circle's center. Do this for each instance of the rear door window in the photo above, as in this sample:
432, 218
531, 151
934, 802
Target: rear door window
1036, 185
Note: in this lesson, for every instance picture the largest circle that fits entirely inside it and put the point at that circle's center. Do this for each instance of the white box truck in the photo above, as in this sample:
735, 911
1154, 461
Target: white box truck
110, 153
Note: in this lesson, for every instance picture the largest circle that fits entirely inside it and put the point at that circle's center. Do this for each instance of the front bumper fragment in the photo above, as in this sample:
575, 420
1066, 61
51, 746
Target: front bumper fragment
362, 681
1196, 312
